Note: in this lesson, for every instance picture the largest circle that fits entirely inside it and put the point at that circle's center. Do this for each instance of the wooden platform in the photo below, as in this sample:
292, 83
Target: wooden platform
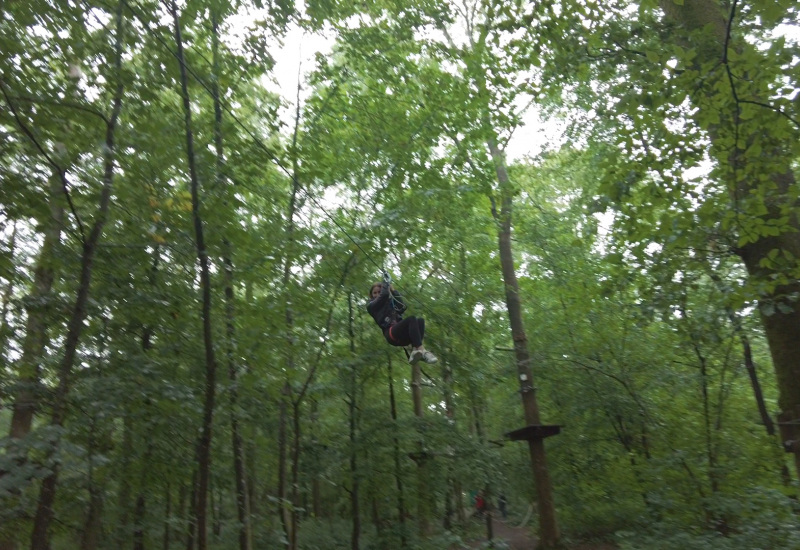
533, 432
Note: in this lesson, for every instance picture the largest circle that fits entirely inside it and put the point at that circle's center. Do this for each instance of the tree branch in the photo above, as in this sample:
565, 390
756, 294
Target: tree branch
62, 175
63, 104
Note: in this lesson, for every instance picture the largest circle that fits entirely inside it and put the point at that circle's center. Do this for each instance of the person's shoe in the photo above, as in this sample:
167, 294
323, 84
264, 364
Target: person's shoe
429, 357
415, 356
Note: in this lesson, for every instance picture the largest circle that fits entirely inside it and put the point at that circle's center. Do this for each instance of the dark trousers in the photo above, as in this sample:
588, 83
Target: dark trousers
410, 330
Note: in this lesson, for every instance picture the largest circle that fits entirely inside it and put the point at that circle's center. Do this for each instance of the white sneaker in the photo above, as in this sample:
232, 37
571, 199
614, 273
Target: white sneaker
429, 357
416, 356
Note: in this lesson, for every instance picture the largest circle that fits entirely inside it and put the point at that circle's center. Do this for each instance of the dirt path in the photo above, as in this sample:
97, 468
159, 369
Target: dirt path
517, 538
520, 538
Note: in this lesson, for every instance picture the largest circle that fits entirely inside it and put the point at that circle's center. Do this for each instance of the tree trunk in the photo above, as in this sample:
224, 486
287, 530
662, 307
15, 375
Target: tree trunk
780, 314
283, 421
240, 480
295, 501
167, 516
452, 494
422, 458
747, 357
7, 293
93, 526
204, 444
283, 497
36, 323
548, 527
316, 489
44, 510
398, 472
191, 511
138, 521
36, 337
352, 406
124, 497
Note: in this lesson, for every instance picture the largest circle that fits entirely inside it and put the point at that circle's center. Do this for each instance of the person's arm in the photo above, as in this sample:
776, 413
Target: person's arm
380, 300
399, 303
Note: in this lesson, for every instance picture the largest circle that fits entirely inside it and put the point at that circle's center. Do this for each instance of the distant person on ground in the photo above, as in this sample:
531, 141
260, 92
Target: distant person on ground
386, 306
501, 505
480, 505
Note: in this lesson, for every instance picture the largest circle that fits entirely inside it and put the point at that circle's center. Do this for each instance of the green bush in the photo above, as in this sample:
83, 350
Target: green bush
759, 520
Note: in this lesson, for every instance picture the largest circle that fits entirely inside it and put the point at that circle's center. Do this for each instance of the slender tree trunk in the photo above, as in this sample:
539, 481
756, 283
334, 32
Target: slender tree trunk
452, 494
138, 522
295, 500
92, 526
99, 442
355, 509
283, 421
288, 515
7, 293
316, 490
747, 356
123, 530
376, 515
36, 338
423, 468
191, 511
240, 483
548, 526
167, 516
283, 448
204, 444
240, 480
398, 471
477, 413
124, 496
352, 405
44, 511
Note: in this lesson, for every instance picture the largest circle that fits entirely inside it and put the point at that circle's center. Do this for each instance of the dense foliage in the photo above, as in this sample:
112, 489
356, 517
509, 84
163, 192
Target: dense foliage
185, 356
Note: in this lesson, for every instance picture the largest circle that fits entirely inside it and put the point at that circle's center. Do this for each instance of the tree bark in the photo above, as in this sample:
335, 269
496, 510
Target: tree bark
204, 444
548, 527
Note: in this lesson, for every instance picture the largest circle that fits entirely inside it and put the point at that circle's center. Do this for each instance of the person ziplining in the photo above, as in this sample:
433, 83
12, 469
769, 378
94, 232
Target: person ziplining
387, 306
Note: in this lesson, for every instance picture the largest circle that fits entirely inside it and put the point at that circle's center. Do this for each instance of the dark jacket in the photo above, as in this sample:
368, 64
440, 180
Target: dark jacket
387, 308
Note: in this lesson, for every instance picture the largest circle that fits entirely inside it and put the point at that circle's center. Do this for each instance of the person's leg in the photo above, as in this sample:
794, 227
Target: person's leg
410, 331
406, 332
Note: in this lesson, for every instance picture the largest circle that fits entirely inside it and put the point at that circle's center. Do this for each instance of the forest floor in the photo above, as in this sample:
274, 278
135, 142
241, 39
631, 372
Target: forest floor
520, 538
